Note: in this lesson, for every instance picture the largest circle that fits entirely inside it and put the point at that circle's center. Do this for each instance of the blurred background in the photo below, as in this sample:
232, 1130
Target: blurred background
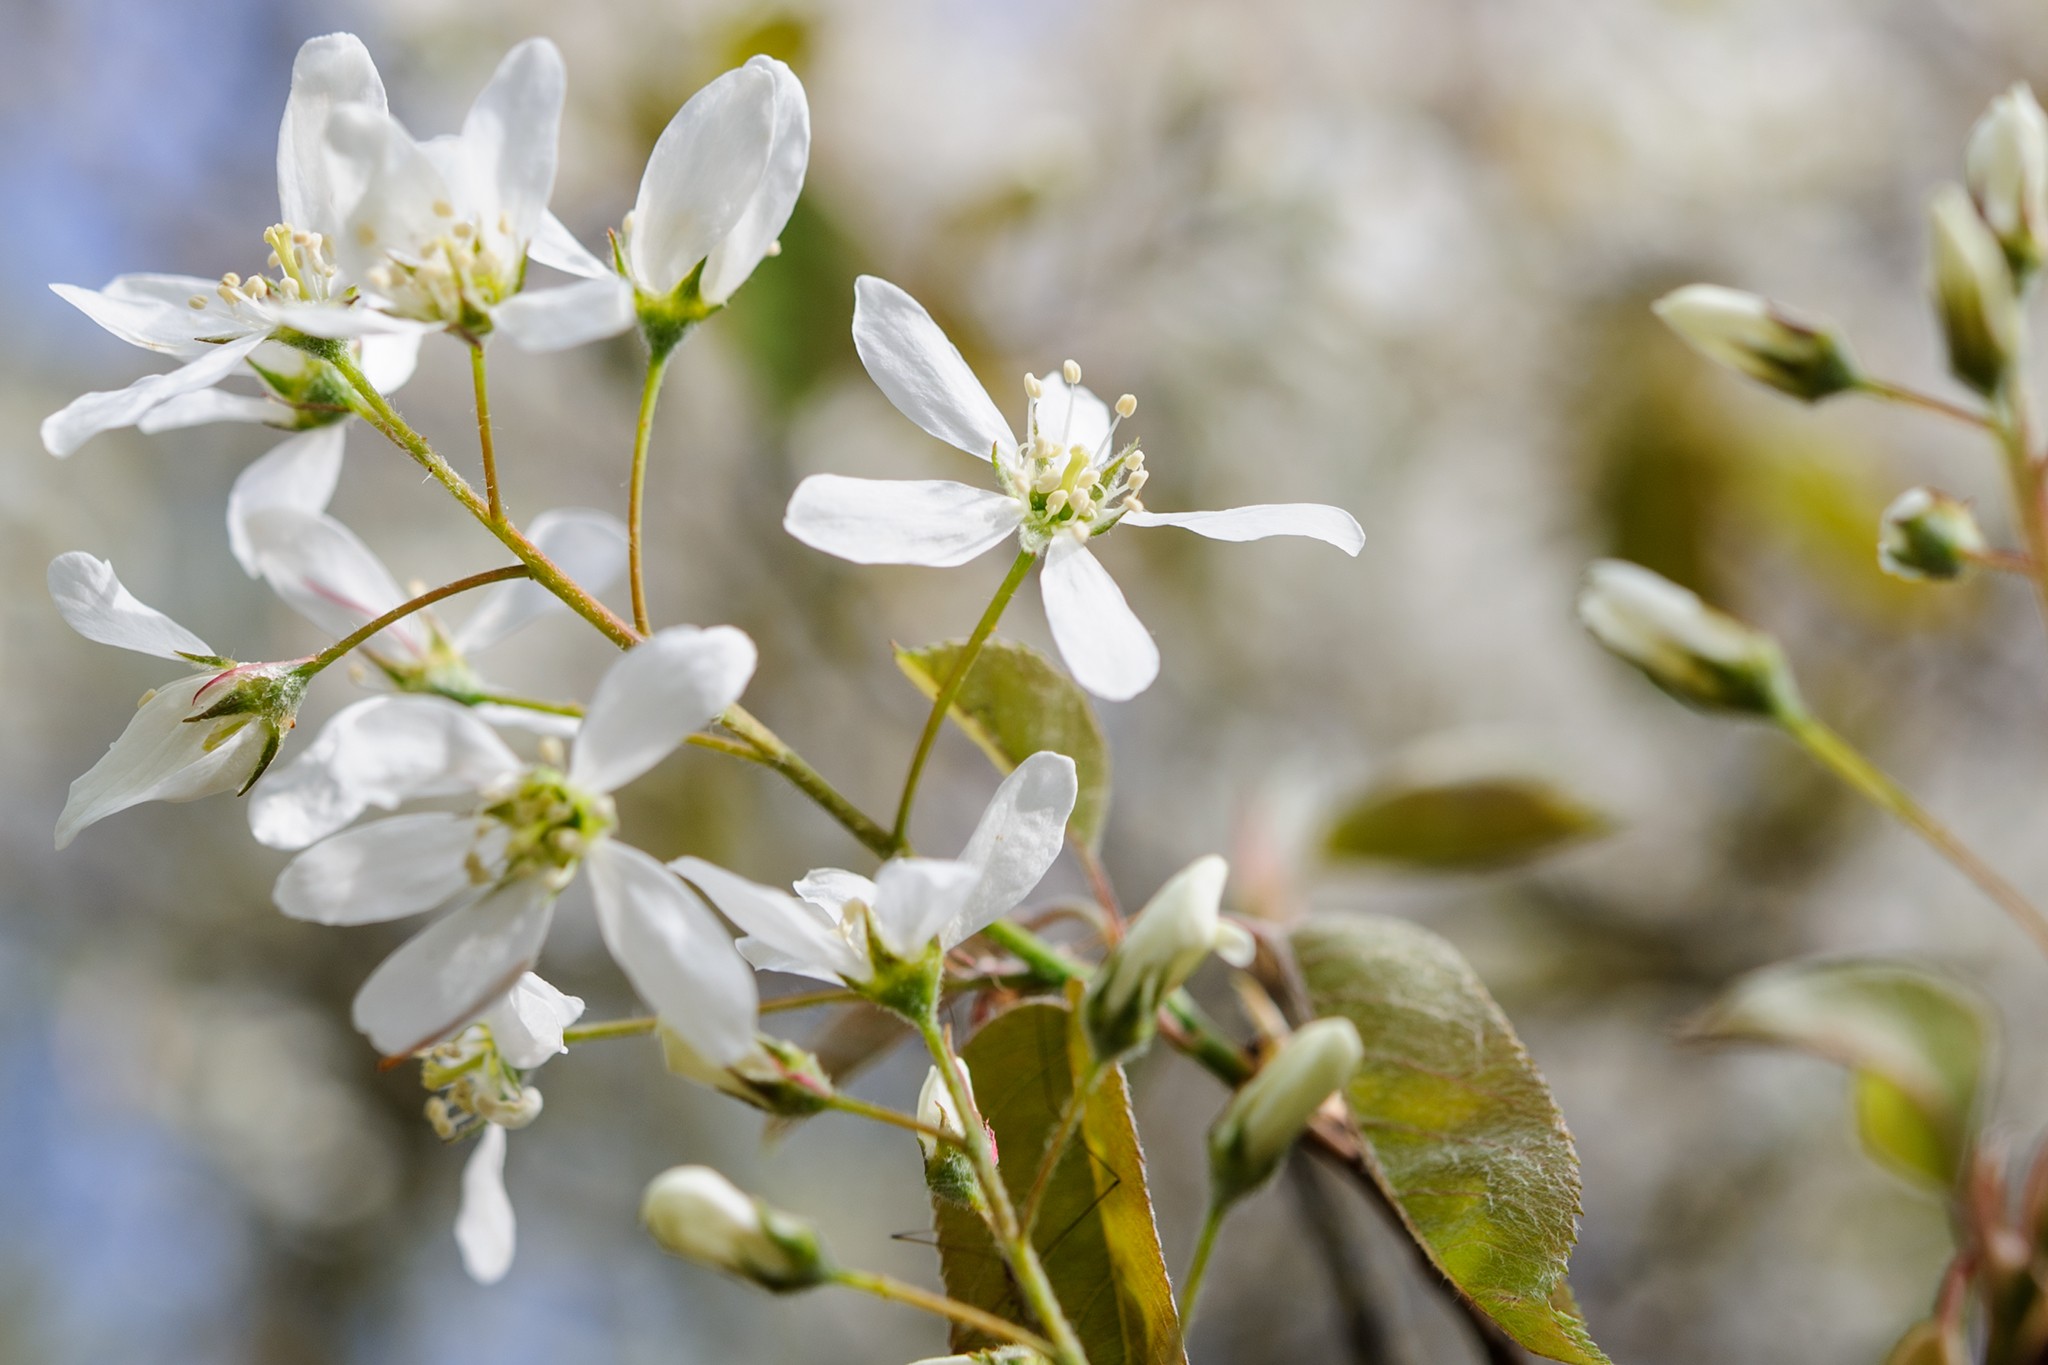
1392, 255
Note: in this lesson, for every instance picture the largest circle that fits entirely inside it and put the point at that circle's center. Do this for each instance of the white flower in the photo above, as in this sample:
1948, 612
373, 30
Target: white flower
219, 327
1063, 484
717, 192
1171, 937
497, 867
438, 231
213, 730
823, 931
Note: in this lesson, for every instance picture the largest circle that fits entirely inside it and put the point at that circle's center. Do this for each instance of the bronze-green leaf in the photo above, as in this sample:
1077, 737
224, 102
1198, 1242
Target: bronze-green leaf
1462, 824
1915, 1042
1464, 1136
1094, 1230
1015, 703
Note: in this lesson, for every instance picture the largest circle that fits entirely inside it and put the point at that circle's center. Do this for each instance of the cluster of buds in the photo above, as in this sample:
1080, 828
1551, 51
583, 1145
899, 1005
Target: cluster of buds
776, 1076
474, 1084
1272, 1109
1172, 936
697, 1214
1703, 657
1926, 534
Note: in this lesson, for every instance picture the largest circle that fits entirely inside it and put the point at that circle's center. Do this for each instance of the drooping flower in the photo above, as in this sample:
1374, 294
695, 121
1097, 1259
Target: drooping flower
496, 868
213, 730
1065, 483
837, 920
717, 192
224, 327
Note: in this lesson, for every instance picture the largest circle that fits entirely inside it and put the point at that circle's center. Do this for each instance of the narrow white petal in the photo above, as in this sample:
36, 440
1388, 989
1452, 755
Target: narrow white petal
384, 870
140, 311
933, 522
389, 359
312, 190
347, 322
589, 546
448, 974
798, 930
922, 372
767, 212
325, 573
92, 601
377, 753
528, 721
571, 315
675, 952
158, 757
526, 1026
666, 686
703, 171
485, 1231
1107, 648
554, 245
1315, 520
207, 407
511, 135
917, 897
764, 956
299, 474
830, 888
90, 414
1019, 836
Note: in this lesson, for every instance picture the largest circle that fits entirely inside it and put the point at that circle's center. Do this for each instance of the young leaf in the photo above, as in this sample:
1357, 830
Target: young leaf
1465, 1139
1015, 703
1463, 824
1915, 1044
1095, 1231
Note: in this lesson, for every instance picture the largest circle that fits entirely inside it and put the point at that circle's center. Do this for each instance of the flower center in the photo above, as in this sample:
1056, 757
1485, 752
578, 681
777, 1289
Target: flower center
473, 1084
550, 824
1064, 484
303, 263
455, 277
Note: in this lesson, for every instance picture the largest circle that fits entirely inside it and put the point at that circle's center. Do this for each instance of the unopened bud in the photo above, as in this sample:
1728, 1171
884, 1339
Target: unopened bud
1273, 1108
1928, 534
2008, 175
776, 1076
947, 1171
696, 1213
1974, 292
1764, 340
1169, 939
1703, 657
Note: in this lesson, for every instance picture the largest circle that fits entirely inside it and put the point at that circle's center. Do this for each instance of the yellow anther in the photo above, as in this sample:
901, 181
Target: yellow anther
231, 281
147, 697
366, 234
1056, 501
462, 231
197, 301
1072, 371
443, 209
1032, 388
1127, 405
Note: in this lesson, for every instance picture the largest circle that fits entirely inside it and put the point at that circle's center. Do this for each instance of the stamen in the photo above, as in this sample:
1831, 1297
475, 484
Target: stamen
196, 302
1072, 371
1032, 386
1126, 405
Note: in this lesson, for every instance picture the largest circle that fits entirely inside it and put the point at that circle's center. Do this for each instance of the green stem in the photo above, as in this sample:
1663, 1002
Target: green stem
546, 708
1927, 402
791, 765
847, 1104
1056, 1145
1841, 758
404, 609
650, 391
896, 1291
609, 1028
943, 702
1025, 1267
1199, 1266
485, 443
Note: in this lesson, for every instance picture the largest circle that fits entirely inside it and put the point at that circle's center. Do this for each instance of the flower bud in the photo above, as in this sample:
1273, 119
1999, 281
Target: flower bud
696, 1213
776, 1076
1177, 929
1273, 1108
1974, 292
947, 1171
1928, 534
1762, 339
2008, 175
1703, 657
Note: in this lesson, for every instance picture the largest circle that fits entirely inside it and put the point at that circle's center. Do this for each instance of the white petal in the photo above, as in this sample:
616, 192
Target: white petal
451, 972
484, 1227
378, 752
209, 406
794, 928
90, 414
528, 721
325, 573
384, 870
344, 321
571, 315
1106, 646
160, 758
1315, 520
1019, 836
588, 546
830, 888
764, 956
666, 686
526, 1026
767, 212
299, 474
92, 601
934, 522
511, 134
703, 171
1071, 416
674, 951
389, 358
922, 372
155, 311
401, 185
554, 245
312, 189
917, 897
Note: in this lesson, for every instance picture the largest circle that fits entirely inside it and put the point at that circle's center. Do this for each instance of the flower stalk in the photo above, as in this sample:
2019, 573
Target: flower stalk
369, 631
486, 442
636, 496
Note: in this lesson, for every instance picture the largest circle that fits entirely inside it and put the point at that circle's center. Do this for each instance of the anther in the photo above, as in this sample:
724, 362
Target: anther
1055, 502
1072, 371
196, 302
1032, 388
443, 209
775, 247
1127, 405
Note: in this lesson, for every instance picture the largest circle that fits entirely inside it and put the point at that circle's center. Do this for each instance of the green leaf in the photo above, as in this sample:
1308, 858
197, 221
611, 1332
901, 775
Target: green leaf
1464, 1136
1462, 824
1915, 1042
1094, 1231
1015, 703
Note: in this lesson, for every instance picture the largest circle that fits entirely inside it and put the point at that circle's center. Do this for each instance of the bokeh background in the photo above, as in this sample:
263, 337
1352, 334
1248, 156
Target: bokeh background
1394, 255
